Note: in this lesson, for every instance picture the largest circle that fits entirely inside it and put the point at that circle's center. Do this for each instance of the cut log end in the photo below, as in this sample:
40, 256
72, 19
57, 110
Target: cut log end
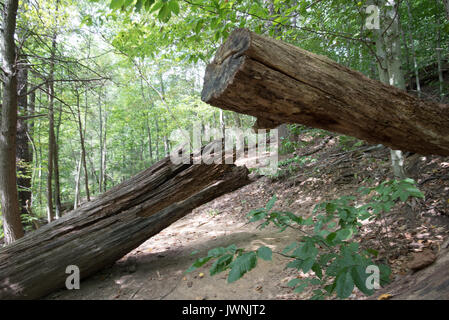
225, 65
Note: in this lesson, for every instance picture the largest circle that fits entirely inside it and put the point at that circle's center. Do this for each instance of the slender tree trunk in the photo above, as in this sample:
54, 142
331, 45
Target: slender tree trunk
83, 148
9, 199
23, 157
57, 192
101, 143
77, 184
146, 101
40, 188
166, 150
51, 134
412, 46
105, 148
238, 122
157, 138
33, 155
438, 54
150, 142
222, 123
51, 146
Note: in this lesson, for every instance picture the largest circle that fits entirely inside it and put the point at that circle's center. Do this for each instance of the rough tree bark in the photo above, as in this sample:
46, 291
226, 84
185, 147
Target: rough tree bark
278, 82
12, 224
102, 231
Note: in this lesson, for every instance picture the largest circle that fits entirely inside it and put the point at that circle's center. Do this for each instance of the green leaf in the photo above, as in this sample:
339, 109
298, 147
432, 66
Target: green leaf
385, 273
306, 250
148, 4
325, 258
157, 6
301, 287
271, 203
198, 263
139, 5
242, 265
373, 252
116, 4
317, 269
344, 285
359, 276
264, 253
164, 13
294, 282
216, 252
199, 26
307, 264
330, 207
174, 6
290, 247
295, 264
331, 236
221, 264
345, 234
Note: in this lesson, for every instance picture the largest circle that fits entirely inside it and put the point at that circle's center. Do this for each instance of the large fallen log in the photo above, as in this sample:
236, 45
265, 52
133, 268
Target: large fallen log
280, 83
102, 231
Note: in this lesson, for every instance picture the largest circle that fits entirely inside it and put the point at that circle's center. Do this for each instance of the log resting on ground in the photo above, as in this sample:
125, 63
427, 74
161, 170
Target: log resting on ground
100, 232
281, 83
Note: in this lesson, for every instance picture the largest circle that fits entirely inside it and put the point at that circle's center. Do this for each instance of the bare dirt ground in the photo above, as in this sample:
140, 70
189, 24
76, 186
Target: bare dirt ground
156, 269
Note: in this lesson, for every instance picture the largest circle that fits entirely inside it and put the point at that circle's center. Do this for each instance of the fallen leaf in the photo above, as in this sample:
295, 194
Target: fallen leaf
385, 296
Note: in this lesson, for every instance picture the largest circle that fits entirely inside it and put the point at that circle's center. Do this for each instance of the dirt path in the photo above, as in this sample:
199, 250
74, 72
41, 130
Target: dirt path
156, 270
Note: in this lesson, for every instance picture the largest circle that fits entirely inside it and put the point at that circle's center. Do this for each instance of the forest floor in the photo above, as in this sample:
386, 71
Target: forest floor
156, 269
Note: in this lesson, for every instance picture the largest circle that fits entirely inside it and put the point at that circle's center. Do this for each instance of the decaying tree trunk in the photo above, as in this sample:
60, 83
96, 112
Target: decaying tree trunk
280, 83
102, 231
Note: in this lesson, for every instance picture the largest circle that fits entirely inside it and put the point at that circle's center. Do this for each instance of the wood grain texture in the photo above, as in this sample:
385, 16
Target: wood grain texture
280, 83
102, 231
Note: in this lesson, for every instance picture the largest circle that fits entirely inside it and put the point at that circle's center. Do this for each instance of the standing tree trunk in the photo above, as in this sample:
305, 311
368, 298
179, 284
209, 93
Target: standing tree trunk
83, 147
57, 195
23, 156
222, 123
51, 128
157, 138
238, 122
9, 199
77, 184
150, 142
146, 101
100, 182
388, 49
105, 149
412, 46
438, 50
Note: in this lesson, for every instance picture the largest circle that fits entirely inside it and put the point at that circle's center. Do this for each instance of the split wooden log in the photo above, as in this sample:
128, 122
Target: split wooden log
280, 83
102, 231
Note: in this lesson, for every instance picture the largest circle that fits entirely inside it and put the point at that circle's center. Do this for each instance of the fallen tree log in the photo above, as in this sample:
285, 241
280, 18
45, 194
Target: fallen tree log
280, 83
102, 231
